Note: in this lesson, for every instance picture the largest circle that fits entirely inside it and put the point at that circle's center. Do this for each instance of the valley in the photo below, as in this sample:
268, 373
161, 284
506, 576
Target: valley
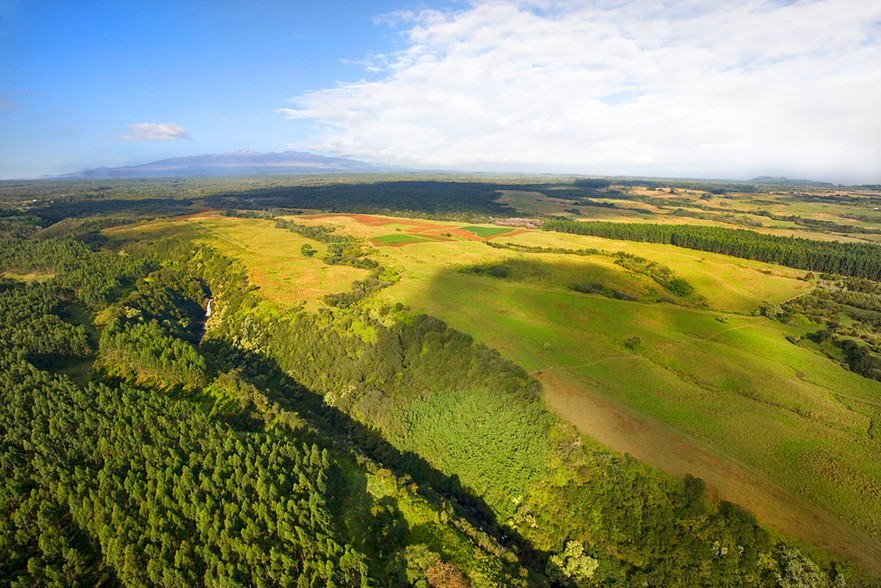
713, 388
483, 294
490, 399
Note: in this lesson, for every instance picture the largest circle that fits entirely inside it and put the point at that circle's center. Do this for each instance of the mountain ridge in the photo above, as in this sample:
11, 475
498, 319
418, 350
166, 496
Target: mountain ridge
228, 164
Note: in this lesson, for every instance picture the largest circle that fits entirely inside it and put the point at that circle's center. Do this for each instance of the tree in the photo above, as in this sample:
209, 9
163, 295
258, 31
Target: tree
446, 575
798, 571
411, 564
572, 566
633, 343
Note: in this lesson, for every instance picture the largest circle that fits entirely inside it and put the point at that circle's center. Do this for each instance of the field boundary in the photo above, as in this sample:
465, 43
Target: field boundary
673, 451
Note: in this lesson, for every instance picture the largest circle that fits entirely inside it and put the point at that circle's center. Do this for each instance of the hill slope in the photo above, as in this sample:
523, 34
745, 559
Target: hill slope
229, 164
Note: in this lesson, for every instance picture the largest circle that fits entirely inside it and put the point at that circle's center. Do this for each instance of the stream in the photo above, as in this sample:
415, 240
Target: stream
200, 332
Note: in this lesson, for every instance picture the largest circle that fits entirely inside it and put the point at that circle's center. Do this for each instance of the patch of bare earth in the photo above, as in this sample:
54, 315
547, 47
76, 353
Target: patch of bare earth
416, 227
378, 221
659, 446
511, 234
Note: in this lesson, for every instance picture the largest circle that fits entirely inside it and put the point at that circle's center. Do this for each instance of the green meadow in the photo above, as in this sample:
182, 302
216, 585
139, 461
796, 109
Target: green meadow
486, 232
720, 376
273, 257
398, 239
776, 427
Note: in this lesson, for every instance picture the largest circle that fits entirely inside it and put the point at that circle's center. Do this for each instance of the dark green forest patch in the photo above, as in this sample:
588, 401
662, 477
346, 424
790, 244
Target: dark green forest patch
347, 447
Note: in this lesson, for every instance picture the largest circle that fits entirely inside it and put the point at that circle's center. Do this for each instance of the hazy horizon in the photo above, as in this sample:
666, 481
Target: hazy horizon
379, 171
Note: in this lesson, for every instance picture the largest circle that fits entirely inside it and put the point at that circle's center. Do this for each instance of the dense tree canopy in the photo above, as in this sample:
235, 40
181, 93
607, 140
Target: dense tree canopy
862, 260
353, 446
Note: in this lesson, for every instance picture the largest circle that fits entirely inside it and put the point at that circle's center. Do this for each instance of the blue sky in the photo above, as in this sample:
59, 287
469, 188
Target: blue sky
694, 88
75, 74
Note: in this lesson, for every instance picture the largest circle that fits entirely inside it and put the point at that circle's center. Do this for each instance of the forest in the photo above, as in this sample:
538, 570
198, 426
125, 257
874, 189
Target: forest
861, 260
361, 444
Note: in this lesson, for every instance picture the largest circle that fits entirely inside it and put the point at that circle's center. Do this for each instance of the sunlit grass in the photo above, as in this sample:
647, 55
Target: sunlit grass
719, 375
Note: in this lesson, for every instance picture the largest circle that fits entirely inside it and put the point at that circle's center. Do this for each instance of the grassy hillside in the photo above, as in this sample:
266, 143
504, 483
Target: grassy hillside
274, 258
816, 212
776, 427
410, 342
732, 381
180, 464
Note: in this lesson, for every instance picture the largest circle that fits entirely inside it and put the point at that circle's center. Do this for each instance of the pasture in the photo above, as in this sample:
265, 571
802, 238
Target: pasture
824, 213
716, 392
794, 425
486, 232
395, 240
273, 256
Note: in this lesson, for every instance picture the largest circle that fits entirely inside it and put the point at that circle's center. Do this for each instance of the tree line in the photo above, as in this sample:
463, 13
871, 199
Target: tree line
861, 260
432, 392
182, 465
169, 467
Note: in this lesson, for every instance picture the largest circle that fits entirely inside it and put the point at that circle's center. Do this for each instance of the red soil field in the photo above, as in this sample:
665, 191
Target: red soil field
416, 227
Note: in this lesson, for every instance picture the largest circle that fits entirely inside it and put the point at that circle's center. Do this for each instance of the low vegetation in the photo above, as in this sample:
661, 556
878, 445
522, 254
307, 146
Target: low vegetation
390, 426
848, 312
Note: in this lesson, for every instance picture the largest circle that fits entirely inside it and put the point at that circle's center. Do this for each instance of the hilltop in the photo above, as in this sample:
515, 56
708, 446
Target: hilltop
230, 164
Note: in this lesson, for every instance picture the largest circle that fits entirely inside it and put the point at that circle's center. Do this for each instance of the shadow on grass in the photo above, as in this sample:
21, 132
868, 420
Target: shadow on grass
330, 427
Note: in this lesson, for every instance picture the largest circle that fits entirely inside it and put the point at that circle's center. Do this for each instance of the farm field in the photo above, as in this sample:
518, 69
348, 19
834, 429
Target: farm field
272, 256
441, 294
713, 391
730, 383
822, 214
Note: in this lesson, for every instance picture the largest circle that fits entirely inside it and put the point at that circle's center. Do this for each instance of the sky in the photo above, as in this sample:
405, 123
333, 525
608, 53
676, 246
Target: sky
669, 88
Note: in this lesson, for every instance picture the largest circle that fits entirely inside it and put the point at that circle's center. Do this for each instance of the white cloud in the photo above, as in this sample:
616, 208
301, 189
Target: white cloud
674, 88
155, 132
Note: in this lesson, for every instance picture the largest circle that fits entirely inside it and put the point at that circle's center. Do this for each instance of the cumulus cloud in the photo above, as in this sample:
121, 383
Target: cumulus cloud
692, 87
155, 132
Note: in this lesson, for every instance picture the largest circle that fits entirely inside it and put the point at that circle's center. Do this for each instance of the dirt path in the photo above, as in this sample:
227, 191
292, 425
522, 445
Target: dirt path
662, 447
791, 298
566, 368
857, 399
212, 231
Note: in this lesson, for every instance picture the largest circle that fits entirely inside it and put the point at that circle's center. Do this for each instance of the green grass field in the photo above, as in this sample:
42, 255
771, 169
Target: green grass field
399, 239
35, 276
715, 392
792, 422
773, 212
486, 232
272, 256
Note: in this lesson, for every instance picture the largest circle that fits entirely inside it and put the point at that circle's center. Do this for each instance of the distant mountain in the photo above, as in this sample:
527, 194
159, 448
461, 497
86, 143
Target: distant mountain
230, 164
786, 181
